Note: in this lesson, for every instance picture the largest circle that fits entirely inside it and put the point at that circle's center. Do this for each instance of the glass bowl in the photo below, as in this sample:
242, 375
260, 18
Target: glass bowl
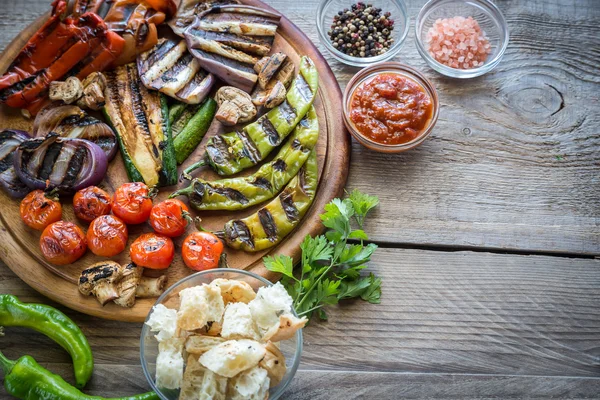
488, 16
395, 68
291, 349
328, 8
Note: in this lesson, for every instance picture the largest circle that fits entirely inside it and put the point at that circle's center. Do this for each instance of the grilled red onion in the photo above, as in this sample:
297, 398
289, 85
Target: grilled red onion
53, 162
10, 139
72, 122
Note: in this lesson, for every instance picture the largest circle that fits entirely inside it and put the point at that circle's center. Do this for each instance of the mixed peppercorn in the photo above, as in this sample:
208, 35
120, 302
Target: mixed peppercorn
362, 30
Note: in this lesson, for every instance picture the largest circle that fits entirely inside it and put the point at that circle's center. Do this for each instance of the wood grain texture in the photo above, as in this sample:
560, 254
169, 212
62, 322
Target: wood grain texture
525, 326
19, 242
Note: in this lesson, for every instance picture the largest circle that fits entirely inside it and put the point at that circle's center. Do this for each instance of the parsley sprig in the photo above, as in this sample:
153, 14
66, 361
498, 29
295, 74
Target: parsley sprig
330, 268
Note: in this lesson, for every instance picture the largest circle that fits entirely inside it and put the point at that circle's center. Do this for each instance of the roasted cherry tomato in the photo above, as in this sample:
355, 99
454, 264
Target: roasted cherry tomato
152, 251
39, 211
170, 217
132, 203
201, 251
90, 203
63, 243
107, 236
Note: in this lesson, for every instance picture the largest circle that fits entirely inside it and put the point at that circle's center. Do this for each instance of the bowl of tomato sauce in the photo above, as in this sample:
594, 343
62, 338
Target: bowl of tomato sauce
390, 107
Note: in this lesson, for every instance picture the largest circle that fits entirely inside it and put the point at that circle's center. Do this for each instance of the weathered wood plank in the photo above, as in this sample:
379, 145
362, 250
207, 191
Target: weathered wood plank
512, 163
462, 312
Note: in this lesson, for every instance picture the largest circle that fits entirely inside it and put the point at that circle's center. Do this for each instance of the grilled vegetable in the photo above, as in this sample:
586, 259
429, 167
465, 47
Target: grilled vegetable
186, 13
235, 151
107, 236
136, 22
244, 192
226, 39
170, 217
62, 48
276, 220
66, 165
235, 106
190, 136
90, 203
100, 280
68, 91
94, 86
153, 251
38, 210
201, 251
132, 203
63, 243
10, 140
140, 119
283, 77
72, 122
169, 68
175, 112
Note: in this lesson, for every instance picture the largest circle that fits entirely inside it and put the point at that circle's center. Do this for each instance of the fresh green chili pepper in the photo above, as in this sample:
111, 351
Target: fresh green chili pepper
25, 379
54, 324
233, 152
244, 192
276, 220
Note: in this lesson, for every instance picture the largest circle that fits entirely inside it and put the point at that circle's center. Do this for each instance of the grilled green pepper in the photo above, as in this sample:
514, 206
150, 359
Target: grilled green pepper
244, 192
25, 379
276, 220
233, 152
140, 118
54, 324
197, 121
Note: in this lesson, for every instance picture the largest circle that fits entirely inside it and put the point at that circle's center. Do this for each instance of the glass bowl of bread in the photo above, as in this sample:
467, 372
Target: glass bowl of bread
222, 334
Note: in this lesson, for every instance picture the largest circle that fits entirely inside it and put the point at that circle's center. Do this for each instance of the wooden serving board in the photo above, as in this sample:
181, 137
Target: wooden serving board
19, 245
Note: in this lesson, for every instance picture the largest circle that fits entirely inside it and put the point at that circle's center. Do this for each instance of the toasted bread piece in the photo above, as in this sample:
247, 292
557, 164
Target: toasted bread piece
200, 383
234, 291
199, 305
269, 304
285, 329
201, 344
238, 322
274, 364
232, 357
164, 321
252, 384
169, 364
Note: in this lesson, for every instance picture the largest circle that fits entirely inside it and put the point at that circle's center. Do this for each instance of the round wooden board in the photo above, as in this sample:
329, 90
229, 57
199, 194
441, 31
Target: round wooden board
19, 247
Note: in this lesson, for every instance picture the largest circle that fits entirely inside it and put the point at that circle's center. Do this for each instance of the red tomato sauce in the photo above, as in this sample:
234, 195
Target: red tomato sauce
390, 109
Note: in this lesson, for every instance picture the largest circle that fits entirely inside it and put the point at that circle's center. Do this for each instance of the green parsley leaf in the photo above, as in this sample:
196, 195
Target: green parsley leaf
373, 293
280, 263
357, 254
358, 234
327, 291
351, 273
350, 289
362, 203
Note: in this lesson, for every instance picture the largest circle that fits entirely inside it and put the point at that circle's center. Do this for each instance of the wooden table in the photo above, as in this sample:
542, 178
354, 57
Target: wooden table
489, 235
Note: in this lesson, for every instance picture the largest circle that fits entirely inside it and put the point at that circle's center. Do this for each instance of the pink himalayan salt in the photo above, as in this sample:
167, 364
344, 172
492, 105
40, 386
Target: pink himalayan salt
458, 43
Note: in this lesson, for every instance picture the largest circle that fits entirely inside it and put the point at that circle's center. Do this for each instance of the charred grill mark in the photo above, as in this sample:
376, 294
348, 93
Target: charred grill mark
302, 180
105, 143
270, 131
231, 39
75, 164
171, 74
192, 84
31, 47
157, 54
296, 144
303, 88
138, 110
227, 62
279, 165
287, 111
17, 87
238, 231
217, 151
198, 192
50, 158
241, 18
262, 183
7, 162
250, 149
286, 198
97, 273
268, 224
305, 123
229, 193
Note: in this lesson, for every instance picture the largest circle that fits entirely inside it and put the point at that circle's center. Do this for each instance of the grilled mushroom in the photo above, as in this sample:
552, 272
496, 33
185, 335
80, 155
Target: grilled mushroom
127, 286
285, 74
276, 96
101, 280
150, 287
235, 106
270, 68
93, 91
68, 91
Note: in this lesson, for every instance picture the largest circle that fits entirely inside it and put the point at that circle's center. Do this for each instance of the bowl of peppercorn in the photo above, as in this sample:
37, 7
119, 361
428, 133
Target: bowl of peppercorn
362, 33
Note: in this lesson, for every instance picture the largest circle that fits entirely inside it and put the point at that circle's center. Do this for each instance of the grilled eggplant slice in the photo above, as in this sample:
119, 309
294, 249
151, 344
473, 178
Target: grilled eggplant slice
10, 139
140, 119
169, 68
188, 9
227, 40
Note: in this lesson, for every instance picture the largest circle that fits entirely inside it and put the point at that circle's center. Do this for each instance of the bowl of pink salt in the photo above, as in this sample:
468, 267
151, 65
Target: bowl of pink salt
461, 39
